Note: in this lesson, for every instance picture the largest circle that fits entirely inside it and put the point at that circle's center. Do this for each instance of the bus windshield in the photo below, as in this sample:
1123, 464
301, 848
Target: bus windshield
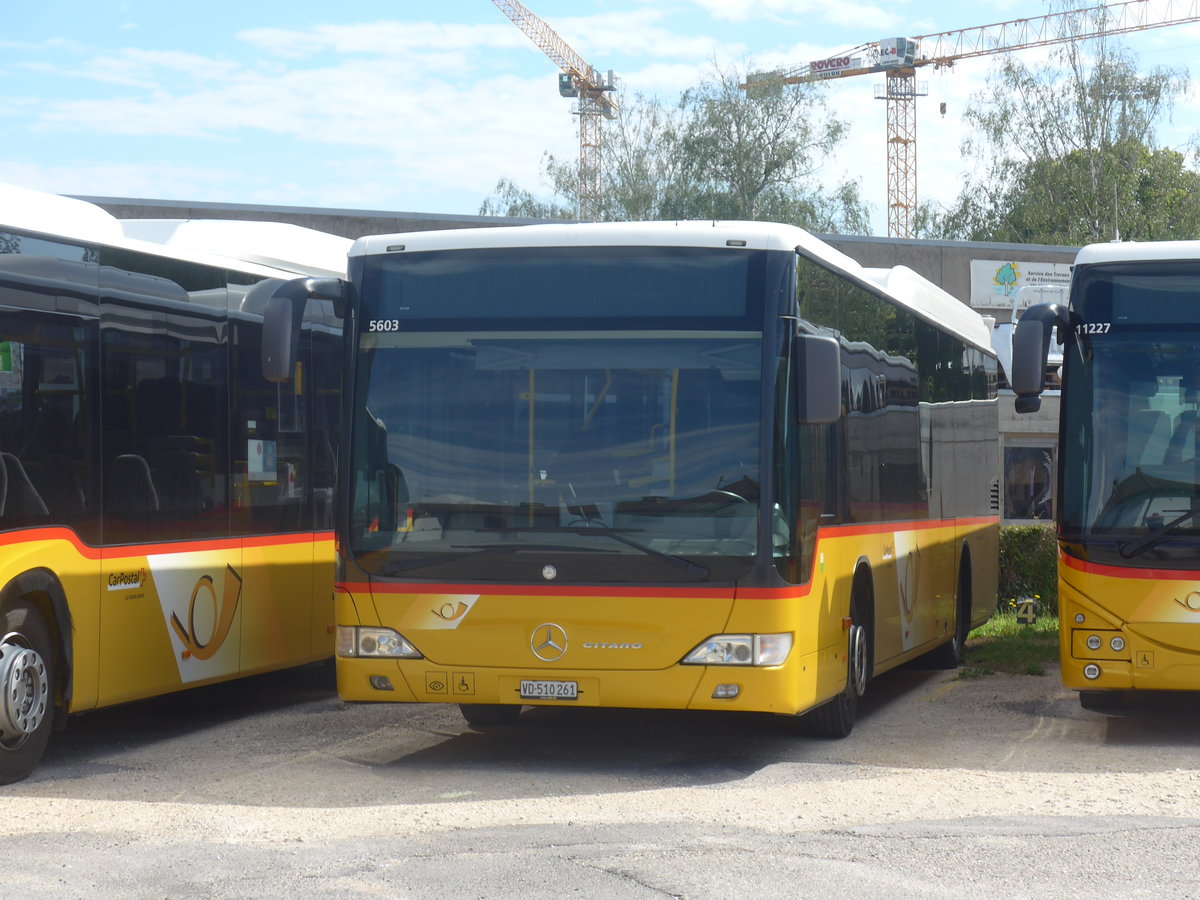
1131, 415
507, 431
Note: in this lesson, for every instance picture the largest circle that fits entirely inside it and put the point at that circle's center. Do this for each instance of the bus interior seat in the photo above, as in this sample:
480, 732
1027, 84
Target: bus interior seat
130, 487
47, 456
180, 484
1183, 440
55, 478
20, 496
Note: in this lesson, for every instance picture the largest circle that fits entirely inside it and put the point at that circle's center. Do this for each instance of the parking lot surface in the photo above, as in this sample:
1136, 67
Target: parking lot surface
947, 787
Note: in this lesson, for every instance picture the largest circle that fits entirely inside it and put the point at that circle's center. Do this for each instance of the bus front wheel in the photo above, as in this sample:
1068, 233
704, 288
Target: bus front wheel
835, 719
26, 690
1101, 701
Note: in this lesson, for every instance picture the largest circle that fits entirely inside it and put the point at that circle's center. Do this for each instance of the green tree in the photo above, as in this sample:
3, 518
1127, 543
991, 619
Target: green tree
640, 170
1068, 157
510, 199
721, 152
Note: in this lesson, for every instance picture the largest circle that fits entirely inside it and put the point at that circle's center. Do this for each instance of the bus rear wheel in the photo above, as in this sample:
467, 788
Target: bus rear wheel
950, 655
26, 690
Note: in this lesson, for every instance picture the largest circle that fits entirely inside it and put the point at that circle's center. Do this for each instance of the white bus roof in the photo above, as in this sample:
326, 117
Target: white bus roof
1137, 251
52, 214
268, 249
277, 244
904, 286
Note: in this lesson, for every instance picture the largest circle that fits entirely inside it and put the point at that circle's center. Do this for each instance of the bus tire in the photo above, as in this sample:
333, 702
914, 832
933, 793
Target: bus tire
950, 655
487, 715
835, 719
27, 690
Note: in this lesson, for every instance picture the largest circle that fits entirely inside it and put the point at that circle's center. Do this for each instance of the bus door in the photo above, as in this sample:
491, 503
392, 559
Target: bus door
272, 508
172, 573
323, 386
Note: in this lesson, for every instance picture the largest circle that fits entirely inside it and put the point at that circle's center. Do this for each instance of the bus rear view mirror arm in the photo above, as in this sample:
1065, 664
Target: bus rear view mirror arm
1030, 352
282, 318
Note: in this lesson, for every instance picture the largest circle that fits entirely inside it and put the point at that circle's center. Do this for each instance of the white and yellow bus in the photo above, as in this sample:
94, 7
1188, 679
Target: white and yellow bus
165, 512
1129, 472
671, 465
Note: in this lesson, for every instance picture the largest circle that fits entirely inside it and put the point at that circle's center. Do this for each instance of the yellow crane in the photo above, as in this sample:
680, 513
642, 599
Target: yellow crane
899, 58
576, 79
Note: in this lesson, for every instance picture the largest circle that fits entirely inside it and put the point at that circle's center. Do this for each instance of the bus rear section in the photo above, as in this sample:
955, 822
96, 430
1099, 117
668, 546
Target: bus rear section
1129, 481
165, 511
656, 465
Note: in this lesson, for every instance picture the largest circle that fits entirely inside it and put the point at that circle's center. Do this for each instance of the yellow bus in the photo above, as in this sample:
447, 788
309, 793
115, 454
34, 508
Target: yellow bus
165, 512
669, 465
1128, 495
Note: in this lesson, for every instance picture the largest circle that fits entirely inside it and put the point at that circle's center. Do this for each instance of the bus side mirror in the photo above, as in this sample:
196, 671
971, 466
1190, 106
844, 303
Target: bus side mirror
818, 374
281, 322
1030, 352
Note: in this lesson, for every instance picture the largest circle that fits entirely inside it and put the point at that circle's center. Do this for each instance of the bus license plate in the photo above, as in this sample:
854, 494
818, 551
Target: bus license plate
549, 690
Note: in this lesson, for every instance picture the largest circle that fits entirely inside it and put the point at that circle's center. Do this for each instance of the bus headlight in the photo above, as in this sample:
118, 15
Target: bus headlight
374, 642
741, 650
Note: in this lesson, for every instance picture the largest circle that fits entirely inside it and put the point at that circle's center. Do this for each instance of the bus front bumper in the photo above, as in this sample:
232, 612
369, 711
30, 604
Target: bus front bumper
791, 688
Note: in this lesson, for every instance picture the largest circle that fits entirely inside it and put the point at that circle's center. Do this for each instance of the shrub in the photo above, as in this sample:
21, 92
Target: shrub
1029, 565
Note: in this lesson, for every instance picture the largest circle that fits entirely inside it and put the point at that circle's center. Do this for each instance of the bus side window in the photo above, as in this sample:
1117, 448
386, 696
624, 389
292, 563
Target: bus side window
165, 427
46, 461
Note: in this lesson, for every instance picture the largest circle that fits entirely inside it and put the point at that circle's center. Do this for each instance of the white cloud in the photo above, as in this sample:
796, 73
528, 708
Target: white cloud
800, 12
388, 39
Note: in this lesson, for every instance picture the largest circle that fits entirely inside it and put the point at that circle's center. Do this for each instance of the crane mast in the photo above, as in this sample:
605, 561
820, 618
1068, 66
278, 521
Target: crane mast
577, 79
899, 58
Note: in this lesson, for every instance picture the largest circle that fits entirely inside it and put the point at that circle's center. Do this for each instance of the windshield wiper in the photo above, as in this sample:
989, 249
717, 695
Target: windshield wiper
407, 565
1128, 551
694, 569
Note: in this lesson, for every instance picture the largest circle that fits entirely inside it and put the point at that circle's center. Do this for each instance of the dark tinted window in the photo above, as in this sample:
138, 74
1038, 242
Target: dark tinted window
48, 360
165, 442
557, 287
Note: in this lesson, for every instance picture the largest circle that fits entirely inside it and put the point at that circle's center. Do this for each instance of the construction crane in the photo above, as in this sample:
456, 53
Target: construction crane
577, 79
899, 58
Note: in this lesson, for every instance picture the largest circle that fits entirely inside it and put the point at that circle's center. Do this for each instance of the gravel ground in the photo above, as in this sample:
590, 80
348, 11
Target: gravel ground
970, 788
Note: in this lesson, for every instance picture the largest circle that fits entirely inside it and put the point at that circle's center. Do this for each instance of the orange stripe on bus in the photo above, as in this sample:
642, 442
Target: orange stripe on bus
89, 551
1124, 572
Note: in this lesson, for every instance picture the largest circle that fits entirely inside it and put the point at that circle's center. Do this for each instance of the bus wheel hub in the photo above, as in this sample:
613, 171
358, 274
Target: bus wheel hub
26, 692
858, 659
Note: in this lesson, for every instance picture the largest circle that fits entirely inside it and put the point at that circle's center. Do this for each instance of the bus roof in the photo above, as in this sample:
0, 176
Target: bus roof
278, 244
1137, 251
902, 285
268, 249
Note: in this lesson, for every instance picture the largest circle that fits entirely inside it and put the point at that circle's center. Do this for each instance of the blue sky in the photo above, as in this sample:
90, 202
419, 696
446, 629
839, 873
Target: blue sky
422, 106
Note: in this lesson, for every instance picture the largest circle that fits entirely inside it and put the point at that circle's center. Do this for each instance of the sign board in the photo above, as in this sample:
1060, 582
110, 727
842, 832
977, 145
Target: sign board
995, 283
1026, 612
834, 66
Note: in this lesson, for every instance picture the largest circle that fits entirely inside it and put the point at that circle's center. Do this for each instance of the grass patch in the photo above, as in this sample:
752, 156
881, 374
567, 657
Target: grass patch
1005, 645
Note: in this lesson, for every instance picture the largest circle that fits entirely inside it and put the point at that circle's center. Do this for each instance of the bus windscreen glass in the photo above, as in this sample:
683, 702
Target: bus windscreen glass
1131, 415
529, 412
